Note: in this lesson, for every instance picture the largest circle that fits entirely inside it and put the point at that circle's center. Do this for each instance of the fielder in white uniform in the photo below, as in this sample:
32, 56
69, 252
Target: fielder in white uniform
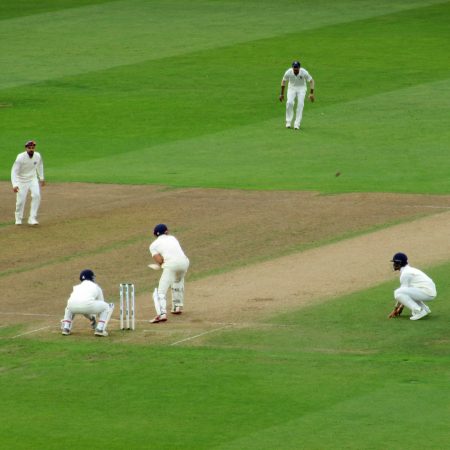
26, 174
167, 252
296, 77
87, 299
416, 288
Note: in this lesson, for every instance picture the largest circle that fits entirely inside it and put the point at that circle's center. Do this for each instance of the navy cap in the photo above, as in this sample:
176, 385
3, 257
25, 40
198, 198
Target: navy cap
160, 229
400, 258
296, 64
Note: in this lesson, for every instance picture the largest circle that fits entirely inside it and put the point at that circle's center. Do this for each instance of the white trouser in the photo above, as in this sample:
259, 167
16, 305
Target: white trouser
172, 276
89, 307
412, 297
292, 94
21, 198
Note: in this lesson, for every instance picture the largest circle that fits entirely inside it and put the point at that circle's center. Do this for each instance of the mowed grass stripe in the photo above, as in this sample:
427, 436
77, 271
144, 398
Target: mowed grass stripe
128, 108
111, 34
385, 153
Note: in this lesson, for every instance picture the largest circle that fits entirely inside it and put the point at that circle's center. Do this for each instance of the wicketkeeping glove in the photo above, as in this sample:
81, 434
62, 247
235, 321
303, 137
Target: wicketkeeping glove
396, 312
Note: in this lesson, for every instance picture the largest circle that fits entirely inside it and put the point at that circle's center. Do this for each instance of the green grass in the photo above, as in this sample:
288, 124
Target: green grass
184, 93
335, 375
121, 102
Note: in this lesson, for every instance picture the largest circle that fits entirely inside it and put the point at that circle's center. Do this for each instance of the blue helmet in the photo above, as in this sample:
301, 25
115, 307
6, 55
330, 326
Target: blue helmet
87, 274
160, 229
296, 64
400, 260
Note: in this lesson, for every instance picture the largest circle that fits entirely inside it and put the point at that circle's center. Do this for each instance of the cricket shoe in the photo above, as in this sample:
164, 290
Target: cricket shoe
422, 313
93, 323
18, 222
176, 309
65, 332
426, 307
159, 318
33, 222
101, 333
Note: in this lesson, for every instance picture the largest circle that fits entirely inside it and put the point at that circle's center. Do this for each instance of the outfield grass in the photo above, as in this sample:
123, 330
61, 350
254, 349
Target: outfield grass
184, 93
124, 102
335, 375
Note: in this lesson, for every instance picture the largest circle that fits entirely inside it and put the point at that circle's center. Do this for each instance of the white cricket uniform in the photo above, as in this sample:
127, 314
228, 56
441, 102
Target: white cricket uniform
25, 174
87, 298
296, 89
174, 268
415, 287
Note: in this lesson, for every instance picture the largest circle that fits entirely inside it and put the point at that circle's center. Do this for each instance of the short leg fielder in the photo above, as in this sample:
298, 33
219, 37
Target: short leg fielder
413, 299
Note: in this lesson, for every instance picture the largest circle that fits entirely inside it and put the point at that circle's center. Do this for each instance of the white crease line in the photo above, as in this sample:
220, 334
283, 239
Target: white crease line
29, 332
202, 334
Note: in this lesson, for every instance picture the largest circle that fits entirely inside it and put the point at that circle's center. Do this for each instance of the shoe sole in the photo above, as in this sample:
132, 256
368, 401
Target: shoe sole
419, 316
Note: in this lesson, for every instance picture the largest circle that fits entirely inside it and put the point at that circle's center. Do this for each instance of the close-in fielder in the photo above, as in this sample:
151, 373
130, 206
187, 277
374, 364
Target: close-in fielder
296, 77
168, 254
416, 288
26, 174
87, 299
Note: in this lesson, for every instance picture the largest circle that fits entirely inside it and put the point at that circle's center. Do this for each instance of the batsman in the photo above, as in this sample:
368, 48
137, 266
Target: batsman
169, 256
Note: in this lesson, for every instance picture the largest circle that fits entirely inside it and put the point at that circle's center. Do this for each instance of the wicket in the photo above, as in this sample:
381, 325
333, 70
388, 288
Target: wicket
127, 306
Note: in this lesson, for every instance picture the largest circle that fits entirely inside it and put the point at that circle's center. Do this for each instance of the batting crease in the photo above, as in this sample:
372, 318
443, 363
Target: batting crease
202, 334
29, 332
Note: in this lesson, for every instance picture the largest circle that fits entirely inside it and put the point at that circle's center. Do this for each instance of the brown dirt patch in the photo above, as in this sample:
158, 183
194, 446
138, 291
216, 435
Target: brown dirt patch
267, 239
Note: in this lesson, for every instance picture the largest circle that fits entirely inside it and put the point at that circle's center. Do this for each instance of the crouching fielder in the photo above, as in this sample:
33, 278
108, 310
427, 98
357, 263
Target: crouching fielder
167, 252
416, 288
87, 299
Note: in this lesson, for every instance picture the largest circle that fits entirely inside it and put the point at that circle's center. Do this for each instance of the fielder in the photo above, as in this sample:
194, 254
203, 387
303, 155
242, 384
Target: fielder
26, 174
168, 254
297, 78
415, 289
87, 299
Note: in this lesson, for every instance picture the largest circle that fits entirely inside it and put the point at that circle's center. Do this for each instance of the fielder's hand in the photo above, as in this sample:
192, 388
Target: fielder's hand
281, 97
311, 98
396, 312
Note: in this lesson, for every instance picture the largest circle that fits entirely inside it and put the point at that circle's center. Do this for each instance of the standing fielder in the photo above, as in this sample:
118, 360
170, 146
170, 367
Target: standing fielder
297, 78
415, 289
26, 173
168, 254
87, 299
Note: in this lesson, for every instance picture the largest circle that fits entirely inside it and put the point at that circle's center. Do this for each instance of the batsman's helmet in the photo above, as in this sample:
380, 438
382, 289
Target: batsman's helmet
87, 274
400, 259
296, 64
160, 229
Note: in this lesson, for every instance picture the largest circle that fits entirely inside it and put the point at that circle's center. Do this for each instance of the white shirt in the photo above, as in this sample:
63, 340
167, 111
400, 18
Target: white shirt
168, 247
26, 169
297, 81
411, 277
86, 291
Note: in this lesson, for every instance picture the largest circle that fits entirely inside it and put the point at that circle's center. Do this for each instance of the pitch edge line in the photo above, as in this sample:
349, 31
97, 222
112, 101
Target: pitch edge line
202, 334
29, 332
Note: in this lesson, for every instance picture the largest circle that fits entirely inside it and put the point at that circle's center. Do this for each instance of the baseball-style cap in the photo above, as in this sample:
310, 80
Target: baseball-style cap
160, 229
30, 144
296, 64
